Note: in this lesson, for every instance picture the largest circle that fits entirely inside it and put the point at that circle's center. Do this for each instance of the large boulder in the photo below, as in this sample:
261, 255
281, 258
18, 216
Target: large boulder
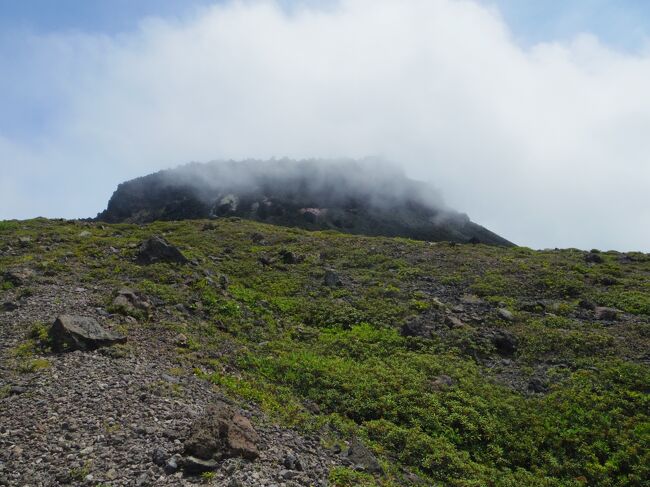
220, 433
72, 332
157, 249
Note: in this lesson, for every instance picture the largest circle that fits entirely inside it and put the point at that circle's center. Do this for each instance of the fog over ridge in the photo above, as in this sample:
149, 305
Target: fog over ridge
363, 197
380, 182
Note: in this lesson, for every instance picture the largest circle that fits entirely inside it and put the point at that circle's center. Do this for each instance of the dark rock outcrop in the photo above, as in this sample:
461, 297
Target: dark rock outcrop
361, 197
362, 458
332, 279
71, 332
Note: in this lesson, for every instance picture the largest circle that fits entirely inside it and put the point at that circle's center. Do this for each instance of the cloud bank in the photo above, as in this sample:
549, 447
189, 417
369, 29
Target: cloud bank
546, 145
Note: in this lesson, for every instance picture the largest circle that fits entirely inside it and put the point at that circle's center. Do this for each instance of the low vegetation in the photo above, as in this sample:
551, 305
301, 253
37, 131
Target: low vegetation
400, 353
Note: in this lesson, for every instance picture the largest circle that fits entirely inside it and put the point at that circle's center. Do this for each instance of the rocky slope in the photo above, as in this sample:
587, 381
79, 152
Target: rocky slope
359, 197
258, 355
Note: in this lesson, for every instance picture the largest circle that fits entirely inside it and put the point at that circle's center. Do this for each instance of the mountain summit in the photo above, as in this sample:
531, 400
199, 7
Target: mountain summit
368, 197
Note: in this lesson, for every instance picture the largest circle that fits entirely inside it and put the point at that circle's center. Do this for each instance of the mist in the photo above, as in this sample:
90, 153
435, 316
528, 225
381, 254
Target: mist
547, 145
377, 182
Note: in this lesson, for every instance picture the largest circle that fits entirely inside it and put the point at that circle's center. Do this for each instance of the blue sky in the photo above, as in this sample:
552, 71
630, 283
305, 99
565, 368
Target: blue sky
530, 115
622, 23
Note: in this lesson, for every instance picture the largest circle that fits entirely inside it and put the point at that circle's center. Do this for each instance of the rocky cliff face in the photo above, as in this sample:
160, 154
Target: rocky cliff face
359, 197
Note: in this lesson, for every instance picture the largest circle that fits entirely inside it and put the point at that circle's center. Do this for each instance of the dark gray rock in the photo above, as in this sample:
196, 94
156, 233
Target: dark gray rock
587, 304
416, 328
332, 279
71, 332
593, 258
292, 462
15, 390
363, 458
537, 385
289, 257
505, 314
171, 465
257, 237
287, 474
198, 465
9, 306
157, 249
608, 281
265, 260
504, 341
159, 456
223, 282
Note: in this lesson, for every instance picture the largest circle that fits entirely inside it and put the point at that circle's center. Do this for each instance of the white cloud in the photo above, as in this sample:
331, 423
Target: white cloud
548, 145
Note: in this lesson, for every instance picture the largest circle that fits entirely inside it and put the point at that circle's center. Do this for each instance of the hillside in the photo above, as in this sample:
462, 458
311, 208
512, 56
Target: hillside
328, 359
366, 197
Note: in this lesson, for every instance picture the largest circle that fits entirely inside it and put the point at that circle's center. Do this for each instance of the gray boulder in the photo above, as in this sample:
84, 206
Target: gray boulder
72, 332
157, 249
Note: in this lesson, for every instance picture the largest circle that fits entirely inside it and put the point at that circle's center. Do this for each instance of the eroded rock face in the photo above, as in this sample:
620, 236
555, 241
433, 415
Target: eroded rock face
157, 249
220, 433
72, 332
